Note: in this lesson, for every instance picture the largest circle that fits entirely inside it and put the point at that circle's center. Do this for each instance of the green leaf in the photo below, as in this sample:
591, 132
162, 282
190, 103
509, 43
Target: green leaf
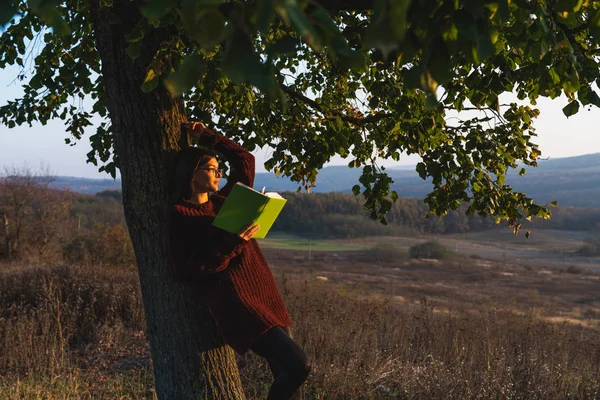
571, 109
7, 12
293, 15
133, 50
50, 11
356, 190
388, 25
151, 81
154, 10
205, 24
286, 44
186, 76
594, 25
265, 13
568, 5
439, 64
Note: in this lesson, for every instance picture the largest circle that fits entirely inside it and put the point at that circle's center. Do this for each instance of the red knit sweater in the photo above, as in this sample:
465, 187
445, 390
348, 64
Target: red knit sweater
232, 273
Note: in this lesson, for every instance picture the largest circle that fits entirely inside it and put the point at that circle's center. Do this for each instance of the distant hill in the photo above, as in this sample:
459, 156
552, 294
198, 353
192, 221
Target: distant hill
572, 181
85, 185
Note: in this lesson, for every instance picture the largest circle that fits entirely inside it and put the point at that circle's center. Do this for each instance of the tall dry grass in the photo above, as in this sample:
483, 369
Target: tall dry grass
378, 349
78, 332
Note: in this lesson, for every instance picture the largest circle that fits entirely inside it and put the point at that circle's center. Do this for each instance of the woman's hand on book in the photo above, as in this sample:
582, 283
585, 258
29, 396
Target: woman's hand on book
249, 231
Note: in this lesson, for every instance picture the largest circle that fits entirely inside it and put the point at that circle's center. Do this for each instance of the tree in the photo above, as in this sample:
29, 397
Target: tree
18, 188
312, 79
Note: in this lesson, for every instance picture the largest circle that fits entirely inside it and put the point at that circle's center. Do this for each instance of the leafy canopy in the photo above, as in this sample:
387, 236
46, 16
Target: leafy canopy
358, 78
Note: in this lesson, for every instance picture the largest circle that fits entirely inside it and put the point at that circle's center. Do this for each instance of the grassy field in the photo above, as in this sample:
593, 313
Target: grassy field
290, 242
375, 327
547, 248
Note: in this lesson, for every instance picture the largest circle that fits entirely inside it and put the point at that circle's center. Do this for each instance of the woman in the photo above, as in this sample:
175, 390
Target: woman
230, 269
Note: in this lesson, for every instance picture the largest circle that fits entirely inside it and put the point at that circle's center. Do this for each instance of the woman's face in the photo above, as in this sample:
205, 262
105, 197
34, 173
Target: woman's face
206, 177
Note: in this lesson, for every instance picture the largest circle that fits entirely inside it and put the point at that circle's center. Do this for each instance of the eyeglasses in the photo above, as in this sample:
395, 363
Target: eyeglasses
216, 171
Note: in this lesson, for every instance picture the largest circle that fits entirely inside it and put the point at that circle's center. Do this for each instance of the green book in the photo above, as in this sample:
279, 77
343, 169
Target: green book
245, 205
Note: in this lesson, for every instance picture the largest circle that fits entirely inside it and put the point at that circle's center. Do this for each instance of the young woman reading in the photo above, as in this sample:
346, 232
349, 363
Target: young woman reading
230, 269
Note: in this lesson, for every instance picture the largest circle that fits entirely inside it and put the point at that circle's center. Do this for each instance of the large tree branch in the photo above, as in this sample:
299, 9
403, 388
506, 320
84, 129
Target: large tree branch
346, 118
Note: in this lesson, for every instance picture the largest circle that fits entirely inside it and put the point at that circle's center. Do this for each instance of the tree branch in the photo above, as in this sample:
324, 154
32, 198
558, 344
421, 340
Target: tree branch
346, 118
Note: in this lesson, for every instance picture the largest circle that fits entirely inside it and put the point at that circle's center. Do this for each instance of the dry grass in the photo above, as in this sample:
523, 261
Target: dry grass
406, 330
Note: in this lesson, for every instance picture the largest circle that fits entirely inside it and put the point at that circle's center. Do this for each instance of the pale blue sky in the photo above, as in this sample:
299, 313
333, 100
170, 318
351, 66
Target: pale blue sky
557, 137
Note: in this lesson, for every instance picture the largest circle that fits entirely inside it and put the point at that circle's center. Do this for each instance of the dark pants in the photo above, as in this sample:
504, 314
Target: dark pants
288, 362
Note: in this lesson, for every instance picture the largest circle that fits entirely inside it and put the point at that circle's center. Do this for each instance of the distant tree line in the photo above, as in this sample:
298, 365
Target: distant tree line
342, 215
41, 224
51, 224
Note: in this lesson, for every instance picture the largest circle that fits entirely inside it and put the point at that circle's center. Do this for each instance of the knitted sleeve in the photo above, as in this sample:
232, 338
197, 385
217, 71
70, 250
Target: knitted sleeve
197, 256
240, 160
205, 261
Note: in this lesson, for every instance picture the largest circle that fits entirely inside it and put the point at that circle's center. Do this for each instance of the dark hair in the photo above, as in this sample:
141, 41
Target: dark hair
188, 160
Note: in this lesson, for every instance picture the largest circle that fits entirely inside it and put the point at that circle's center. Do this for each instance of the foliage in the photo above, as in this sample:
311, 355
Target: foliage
431, 249
360, 79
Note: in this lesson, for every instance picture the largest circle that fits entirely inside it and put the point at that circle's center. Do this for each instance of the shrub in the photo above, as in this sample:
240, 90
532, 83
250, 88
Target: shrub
573, 269
430, 249
105, 244
588, 250
386, 252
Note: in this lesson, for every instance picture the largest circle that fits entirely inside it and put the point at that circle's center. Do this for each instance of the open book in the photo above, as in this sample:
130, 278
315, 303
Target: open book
244, 205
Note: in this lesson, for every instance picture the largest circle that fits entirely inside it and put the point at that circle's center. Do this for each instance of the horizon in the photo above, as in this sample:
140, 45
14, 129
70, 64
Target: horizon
398, 167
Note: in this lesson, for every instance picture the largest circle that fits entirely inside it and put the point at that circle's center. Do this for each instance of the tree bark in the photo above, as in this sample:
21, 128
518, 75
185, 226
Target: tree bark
189, 357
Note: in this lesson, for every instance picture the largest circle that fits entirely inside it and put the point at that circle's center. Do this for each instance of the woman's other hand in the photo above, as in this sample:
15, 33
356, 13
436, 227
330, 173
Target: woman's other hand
195, 129
247, 232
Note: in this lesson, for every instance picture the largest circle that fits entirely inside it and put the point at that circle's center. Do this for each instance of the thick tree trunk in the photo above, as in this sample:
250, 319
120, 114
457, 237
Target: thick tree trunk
189, 358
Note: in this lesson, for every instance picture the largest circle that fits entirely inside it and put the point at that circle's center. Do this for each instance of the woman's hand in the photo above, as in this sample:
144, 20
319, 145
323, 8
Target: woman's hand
250, 230
195, 129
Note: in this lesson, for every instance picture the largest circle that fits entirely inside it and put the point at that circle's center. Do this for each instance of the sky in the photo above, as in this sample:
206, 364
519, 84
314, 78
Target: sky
557, 137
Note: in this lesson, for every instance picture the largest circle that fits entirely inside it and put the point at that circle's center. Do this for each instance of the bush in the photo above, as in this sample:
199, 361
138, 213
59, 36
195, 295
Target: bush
430, 249
573, 269
105, 244
588, 250
386, 252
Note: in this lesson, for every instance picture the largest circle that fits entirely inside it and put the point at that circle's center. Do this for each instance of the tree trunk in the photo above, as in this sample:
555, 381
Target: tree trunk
189, 357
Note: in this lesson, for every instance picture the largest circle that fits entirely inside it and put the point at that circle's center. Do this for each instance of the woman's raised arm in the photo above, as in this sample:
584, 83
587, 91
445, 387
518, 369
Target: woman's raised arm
241, 161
